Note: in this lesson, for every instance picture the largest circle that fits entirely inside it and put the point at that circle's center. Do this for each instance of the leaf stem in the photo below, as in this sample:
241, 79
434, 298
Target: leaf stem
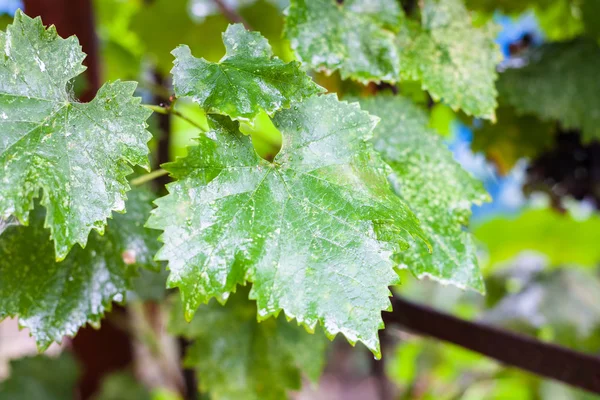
140, 180
232, 15
171, 110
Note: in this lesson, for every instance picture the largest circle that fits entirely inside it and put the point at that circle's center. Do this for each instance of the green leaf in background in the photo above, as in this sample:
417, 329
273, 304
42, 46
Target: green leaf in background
313, 231
238, 358
453, 60
558, 83
120, 47
5, 20
248, 78
202, 33
560, 19
439, 191
355, 37
590, 12
162, 25
122, 386
446, 371
41, 378
441, 119
561, 238
54, 299
78, 153
512, 137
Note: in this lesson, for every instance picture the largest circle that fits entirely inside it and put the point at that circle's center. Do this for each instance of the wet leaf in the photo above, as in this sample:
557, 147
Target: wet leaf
355, 37
440, 192
54, 299
238, 358
453, 60
79, 154
313, 231
248, 78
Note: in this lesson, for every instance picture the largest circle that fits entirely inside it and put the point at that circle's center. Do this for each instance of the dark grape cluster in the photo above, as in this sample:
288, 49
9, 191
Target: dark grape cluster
570, 168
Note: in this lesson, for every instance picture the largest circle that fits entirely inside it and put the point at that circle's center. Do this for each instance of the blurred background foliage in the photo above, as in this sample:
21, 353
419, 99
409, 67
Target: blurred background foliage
539, 239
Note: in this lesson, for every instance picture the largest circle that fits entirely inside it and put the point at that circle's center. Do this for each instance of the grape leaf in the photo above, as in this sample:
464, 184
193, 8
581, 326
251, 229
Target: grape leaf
79, 154
238, 358
355, 37
453, 60
41, 378
561, 238
558, 83
438, 190
248, 78
314, 230
54, 299
512, 137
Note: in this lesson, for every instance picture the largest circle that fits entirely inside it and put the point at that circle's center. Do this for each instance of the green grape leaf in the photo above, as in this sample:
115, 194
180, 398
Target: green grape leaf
355, 37
54, 299
512, 137
41, 378
313, 231
439, 191
78, 153
238, 358
563, 239
248, 78
453, 60
558, 84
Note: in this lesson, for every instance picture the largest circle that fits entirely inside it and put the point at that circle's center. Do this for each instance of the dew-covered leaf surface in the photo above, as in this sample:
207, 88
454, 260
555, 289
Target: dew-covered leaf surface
248, 78
313, 231
453, 60
238, 358
440, 192
77, 154
355, 37
558, 83
54, 299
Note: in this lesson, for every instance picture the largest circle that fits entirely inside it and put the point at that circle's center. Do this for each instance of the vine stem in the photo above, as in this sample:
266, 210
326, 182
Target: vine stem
171, 110
140, 180
231, 14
